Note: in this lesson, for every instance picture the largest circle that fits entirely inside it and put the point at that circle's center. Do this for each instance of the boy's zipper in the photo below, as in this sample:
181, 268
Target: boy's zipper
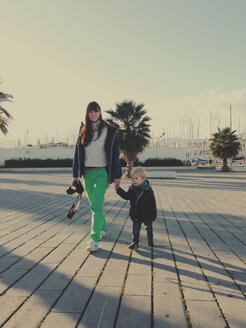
140, 195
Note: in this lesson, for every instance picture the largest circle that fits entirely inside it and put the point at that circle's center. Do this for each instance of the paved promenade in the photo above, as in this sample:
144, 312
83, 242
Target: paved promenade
195, 275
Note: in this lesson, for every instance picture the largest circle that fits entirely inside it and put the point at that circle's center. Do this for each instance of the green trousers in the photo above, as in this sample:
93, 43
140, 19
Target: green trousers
96, 183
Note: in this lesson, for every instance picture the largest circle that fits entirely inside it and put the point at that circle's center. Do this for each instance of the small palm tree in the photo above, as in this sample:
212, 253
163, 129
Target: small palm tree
224, 145
134, 130
5, 117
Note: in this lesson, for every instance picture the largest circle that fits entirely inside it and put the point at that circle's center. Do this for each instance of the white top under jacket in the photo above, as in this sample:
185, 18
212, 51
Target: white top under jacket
95, 155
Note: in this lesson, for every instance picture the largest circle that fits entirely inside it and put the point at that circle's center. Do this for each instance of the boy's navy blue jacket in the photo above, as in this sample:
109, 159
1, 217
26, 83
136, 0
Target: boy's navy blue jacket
142, 200
112, 153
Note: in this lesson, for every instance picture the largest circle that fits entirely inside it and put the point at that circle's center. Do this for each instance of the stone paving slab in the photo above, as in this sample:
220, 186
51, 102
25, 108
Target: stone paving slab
101, 308
194, 276
135, 312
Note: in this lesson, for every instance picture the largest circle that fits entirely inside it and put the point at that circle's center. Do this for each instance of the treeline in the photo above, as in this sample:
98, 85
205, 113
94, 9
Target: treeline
67, 162
157, 162
37, 162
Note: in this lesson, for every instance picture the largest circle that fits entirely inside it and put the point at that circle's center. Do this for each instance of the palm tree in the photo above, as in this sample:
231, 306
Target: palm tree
5, 117
224, 145
134, 130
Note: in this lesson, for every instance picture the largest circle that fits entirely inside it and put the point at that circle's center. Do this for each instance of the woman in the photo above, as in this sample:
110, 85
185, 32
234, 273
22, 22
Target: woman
96, 158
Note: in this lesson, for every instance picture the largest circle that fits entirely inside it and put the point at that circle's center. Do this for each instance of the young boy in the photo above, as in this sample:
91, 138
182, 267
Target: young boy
143, 205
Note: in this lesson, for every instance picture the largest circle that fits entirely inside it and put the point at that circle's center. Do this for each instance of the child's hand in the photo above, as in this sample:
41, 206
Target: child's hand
116, 183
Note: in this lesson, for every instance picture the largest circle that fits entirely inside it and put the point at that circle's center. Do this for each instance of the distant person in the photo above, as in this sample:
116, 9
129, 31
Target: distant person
143, 205
96, 158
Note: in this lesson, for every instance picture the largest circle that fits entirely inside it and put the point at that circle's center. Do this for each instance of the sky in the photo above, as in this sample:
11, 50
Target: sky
184, 59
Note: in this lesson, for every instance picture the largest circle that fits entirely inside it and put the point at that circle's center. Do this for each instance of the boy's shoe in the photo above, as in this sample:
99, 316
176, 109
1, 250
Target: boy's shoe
102, 234
133, 245
150, 243
92, 246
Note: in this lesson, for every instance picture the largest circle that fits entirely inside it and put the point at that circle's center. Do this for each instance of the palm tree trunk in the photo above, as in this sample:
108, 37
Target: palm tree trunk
225, 167
129, 167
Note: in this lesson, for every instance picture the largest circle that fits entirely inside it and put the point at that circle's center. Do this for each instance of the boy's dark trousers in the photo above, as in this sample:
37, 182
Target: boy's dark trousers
136, 230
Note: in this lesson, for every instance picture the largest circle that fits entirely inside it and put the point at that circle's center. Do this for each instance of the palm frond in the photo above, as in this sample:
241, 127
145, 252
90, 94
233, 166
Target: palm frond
5, 116
3, 125
224, 143
4, 111
5, 97
134, 130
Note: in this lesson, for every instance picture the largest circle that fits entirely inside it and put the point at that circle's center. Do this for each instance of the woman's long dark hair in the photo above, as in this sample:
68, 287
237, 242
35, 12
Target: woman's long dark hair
86, 132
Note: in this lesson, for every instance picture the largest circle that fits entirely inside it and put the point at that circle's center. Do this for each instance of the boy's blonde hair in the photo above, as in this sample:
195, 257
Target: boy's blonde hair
138, 170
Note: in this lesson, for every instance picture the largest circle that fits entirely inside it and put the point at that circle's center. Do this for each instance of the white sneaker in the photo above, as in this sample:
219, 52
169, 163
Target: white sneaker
92, 246
102, 234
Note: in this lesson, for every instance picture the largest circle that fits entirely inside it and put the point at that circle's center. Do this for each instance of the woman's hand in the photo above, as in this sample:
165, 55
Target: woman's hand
116, 183
75, 180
